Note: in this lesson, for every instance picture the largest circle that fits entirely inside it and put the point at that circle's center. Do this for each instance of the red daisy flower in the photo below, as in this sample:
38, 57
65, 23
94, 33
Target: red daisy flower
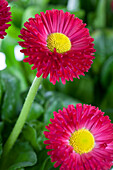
57, 44
5, 17
80, 139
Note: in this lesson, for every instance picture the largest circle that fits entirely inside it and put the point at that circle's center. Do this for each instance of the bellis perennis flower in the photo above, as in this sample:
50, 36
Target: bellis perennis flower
80, 138
58, 44
5, 17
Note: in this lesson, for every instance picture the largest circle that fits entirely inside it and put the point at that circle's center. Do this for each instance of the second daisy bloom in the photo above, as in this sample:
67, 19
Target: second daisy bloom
80, 138
58, 44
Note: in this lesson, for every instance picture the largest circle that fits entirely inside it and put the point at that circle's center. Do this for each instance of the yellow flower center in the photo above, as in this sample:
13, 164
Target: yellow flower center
59, 41
82, 141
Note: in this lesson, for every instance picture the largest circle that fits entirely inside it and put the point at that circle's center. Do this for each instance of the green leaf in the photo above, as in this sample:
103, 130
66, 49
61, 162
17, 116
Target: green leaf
35, 112
109, 42
100, 54
40, 3
44, 162
48, 165
30, 135
22, 155
48, 85
88, 5
17, 14
59, 7
1, 149
80, 14
18, 72
8, 45
1, 88
66, 100
107, 72
103, 45
33, 132
13, 31
39, 127
41, 156
51, 106
40, 98
109, 13
107, 103
21, 3
11, 97
100, 20
56, 101
1, 129
81, 89
30, 12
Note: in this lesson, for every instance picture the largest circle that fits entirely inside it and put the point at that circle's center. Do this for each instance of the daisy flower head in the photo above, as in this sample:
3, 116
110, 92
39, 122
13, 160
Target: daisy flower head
57, 44
80, 138
5, 17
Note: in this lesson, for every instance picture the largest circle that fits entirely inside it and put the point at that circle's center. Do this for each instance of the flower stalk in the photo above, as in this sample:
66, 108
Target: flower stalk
23, 116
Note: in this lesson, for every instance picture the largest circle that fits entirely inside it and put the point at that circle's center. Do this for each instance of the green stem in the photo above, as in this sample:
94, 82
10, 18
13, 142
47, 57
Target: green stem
22, 117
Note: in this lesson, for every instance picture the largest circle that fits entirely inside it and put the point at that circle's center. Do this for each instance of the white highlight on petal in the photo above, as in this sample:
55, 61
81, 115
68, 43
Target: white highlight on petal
18, 55
2, 61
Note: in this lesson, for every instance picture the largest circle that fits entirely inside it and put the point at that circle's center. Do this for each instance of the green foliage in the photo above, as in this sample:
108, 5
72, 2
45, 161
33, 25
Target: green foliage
1, 129
103, 45
52, 105
33, 132
81, 89
17, 14
107, 102
30, 12
107, 72
10, 96
32, 136
100, 20
54, 102
22, 155
35, 112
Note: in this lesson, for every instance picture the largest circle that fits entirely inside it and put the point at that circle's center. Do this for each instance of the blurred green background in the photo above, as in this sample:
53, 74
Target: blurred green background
95, 88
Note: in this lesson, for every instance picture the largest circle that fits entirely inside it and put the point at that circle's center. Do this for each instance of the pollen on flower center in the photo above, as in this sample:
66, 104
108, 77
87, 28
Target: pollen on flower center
59, 41
82, 141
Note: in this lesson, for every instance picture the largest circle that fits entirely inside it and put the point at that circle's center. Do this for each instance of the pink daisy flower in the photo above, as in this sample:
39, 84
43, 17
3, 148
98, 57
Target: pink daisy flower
57, 44
80, 139
5, 17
